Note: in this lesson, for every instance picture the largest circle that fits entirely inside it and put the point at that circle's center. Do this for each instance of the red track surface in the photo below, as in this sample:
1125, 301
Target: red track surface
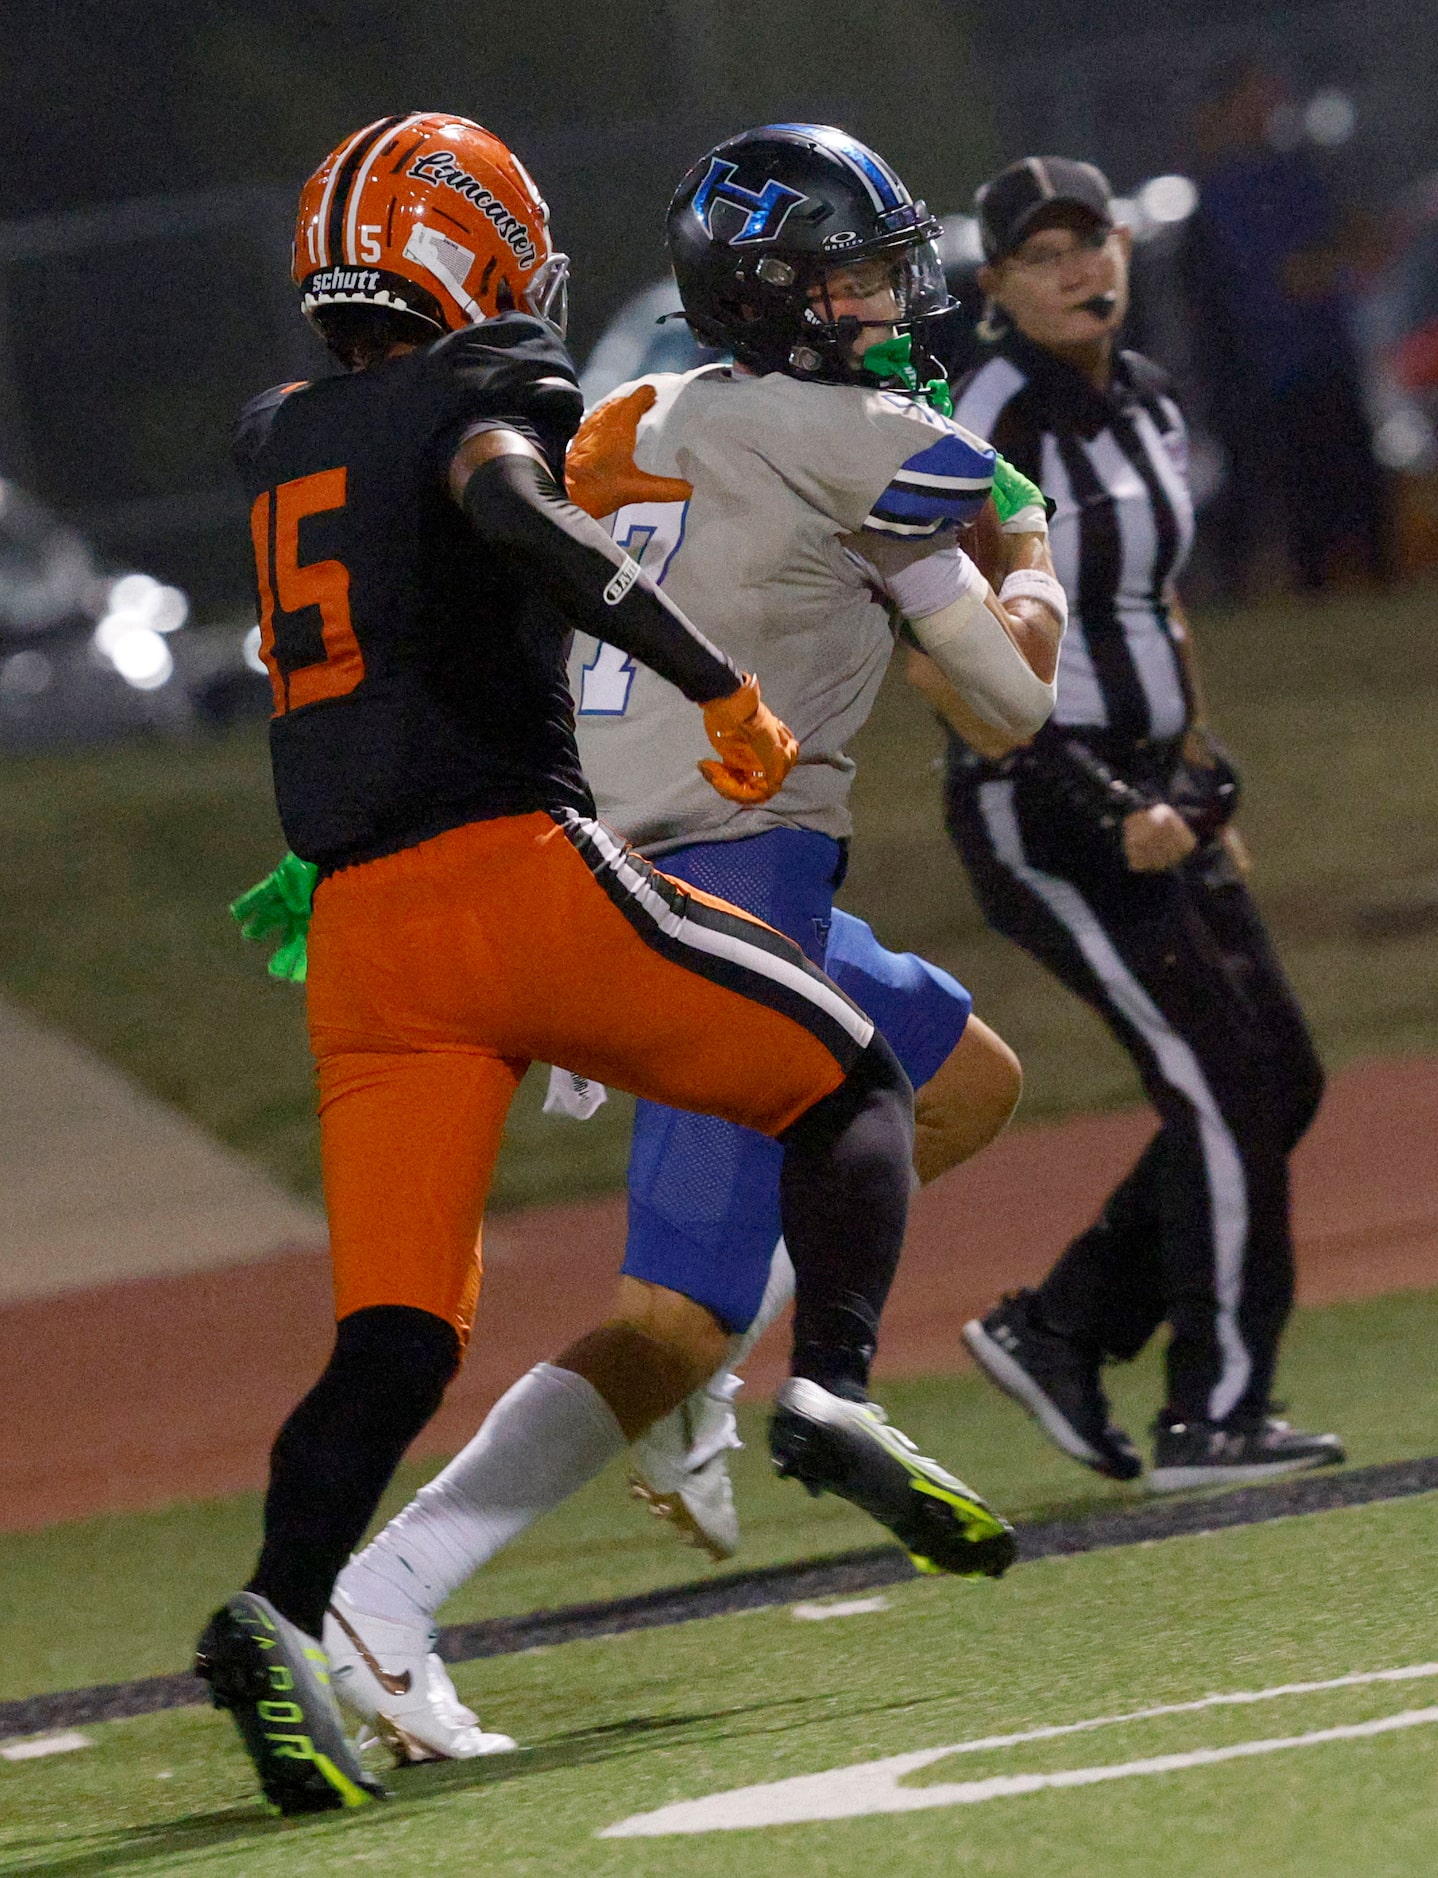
129, 1395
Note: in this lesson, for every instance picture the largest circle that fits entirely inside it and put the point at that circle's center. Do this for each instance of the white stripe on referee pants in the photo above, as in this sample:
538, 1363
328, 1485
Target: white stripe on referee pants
1227, 1188
818, 991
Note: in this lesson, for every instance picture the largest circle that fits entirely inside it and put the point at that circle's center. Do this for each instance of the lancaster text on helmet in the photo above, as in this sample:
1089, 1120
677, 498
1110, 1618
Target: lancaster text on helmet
440, 166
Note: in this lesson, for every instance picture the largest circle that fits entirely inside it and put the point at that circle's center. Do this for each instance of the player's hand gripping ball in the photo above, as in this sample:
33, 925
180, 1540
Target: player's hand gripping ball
756, 749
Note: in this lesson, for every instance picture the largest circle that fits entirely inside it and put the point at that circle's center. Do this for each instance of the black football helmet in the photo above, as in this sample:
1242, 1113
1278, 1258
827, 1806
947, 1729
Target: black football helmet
756, 224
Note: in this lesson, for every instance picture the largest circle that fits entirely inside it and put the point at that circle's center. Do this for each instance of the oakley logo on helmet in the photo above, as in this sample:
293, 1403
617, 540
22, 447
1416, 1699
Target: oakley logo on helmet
439, 166
764, 214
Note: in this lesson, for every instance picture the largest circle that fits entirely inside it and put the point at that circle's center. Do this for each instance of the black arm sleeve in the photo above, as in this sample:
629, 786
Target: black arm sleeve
1205, 795
516, 507
1089, 786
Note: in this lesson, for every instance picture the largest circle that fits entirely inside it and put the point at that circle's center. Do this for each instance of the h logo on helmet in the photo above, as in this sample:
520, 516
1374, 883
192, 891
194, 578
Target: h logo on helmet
764, 213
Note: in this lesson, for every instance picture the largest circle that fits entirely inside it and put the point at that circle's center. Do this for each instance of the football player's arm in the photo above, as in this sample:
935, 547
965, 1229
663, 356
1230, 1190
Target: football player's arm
508, 493
998, 549
997, 653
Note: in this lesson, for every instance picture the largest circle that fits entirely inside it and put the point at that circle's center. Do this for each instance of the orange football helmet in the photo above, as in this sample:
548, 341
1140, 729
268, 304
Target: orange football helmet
428, 215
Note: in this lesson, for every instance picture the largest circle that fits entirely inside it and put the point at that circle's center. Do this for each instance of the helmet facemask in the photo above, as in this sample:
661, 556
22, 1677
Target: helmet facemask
834, 345
546, 293
782, 318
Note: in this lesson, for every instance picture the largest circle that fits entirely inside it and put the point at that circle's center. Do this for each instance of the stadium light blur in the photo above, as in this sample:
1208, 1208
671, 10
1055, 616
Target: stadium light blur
139, 610
1404, 440
162, 609
142, 658
1330, 118
1167, 199
25, 675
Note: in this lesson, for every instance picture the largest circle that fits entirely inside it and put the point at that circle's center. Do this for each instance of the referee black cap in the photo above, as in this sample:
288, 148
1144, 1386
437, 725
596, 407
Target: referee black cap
1011, 202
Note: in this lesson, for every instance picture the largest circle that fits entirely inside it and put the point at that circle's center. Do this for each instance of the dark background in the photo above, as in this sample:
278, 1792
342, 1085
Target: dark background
152, 154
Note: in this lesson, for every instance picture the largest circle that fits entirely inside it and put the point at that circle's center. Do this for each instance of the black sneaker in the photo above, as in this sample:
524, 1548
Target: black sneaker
274, 1680
833, 1445
1213, 1454
1056, 1380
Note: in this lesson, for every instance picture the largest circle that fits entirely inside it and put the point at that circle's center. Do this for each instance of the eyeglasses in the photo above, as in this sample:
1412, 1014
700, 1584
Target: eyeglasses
1044, 255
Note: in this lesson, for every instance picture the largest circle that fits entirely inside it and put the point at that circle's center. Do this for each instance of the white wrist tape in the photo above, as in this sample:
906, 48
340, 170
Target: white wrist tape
1031, 583
969, 645
1030, 521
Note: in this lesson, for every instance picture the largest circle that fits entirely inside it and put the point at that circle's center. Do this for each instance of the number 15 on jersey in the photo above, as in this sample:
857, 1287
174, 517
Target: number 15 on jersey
652, 533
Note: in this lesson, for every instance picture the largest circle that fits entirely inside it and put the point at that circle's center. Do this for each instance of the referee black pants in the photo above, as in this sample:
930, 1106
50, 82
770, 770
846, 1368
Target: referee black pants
1180, 968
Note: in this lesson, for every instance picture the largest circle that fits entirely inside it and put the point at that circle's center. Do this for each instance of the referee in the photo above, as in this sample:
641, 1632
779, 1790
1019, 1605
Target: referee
1103, 849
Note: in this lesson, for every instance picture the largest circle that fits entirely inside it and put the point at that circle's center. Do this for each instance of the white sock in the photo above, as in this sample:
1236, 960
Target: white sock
777, 1293
542, 1440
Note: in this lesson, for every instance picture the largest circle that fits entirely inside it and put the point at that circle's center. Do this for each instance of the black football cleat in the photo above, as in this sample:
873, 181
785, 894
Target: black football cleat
274, 1680
1218, 1454
1056, 1380
832, 1445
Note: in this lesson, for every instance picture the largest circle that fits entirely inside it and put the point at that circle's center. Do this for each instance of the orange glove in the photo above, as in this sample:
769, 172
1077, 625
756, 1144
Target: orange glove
756, 749
600, 472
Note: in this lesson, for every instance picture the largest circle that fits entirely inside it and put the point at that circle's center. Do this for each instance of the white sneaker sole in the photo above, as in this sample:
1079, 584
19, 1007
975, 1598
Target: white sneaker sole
1176, 1479
1015, 1381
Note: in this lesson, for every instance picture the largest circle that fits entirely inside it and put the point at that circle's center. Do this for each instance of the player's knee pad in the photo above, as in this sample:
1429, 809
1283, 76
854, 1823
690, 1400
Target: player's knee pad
876, 1082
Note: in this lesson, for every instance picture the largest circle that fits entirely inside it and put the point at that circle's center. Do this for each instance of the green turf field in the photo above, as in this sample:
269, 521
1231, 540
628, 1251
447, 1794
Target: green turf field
618, 1728
107, 1599
118, 864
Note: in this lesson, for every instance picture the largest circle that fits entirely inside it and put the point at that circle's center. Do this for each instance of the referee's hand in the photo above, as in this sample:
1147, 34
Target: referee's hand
1156, 839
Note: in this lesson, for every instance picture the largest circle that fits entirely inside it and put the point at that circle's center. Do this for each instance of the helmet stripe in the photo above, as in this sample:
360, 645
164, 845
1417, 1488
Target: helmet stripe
879, 179
884, 188
361, 178
322, 213
344, 177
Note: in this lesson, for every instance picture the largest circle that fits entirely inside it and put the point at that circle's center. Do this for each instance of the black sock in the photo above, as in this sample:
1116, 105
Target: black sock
335, 1455
848, 1166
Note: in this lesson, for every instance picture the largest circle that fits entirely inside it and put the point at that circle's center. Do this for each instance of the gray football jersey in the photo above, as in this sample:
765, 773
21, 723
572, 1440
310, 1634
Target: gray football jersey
780, 471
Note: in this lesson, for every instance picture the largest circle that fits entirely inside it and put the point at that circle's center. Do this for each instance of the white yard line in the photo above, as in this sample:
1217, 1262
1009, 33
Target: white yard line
838, 1607
40, 1745
874, 1786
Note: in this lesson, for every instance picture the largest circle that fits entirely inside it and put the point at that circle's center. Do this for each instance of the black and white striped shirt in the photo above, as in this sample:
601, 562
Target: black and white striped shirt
1114, 464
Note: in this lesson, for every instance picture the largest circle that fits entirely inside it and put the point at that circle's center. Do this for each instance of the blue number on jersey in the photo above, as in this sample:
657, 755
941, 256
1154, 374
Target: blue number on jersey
645, 529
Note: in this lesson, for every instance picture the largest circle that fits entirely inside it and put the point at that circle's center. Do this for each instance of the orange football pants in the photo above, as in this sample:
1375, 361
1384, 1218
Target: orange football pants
438, 974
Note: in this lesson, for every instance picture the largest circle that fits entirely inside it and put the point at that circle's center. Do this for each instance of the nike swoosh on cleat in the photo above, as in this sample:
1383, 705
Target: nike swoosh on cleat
392, 1685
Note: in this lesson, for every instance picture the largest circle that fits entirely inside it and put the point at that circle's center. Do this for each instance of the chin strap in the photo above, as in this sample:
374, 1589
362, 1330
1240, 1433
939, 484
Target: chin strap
280, 904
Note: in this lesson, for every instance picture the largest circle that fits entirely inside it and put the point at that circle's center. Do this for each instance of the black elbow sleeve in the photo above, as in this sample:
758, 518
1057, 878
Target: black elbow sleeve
515, 506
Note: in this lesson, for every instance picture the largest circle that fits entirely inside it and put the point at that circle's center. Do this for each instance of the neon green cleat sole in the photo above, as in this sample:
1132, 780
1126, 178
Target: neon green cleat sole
274, 1680
833, 1445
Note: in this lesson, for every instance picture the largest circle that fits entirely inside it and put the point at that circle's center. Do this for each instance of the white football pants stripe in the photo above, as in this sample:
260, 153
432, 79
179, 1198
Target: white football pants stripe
817, 991
1227, 1185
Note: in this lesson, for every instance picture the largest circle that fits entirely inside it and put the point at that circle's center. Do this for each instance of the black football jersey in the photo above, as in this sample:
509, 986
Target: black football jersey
419, 680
